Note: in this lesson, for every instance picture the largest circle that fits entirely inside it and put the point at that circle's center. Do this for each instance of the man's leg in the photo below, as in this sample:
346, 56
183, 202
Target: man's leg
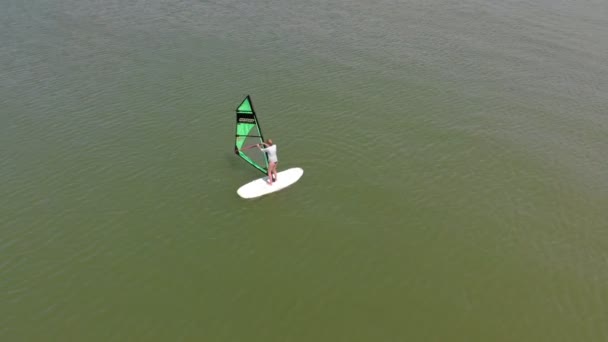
270, 174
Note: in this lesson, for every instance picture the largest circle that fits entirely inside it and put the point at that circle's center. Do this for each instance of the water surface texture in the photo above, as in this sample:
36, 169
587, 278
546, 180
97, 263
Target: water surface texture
455, 160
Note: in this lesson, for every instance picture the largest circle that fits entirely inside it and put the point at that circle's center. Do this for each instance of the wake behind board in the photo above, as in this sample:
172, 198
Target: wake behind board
260, 186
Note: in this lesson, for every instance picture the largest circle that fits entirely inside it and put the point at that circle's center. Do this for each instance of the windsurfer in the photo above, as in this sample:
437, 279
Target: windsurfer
271, 150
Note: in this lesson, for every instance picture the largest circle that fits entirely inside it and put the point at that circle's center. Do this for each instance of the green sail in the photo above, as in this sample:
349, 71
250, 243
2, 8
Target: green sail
248, 132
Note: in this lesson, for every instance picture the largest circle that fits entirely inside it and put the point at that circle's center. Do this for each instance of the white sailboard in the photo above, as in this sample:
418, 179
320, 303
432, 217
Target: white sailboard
260, 186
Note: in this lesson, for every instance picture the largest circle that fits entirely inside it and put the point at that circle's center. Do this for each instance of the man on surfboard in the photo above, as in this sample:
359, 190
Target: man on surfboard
271, 151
